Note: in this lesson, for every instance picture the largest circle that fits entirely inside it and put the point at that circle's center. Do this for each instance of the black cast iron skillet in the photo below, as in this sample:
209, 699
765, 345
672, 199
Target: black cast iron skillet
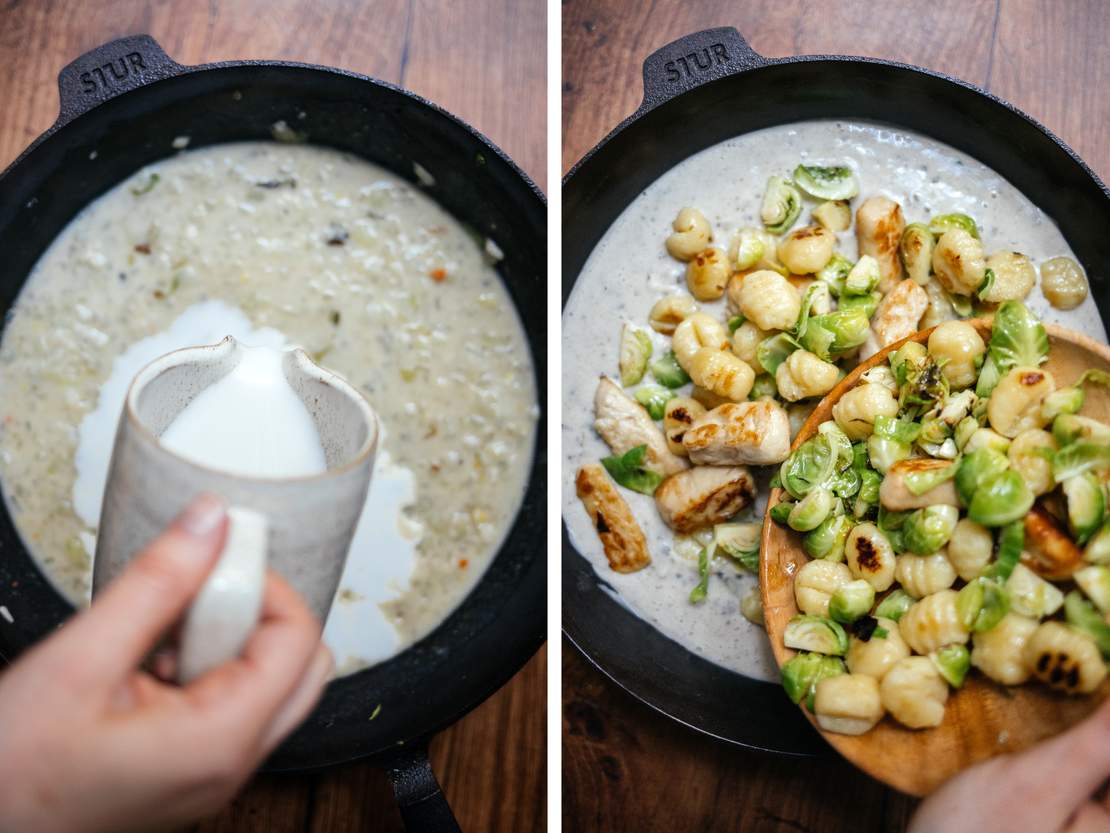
701, 90
122, 105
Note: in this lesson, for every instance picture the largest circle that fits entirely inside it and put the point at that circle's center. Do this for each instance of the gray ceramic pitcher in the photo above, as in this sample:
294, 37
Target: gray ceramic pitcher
300, 526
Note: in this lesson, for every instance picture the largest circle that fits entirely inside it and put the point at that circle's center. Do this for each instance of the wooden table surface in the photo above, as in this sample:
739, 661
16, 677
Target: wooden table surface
624, 767
485, 62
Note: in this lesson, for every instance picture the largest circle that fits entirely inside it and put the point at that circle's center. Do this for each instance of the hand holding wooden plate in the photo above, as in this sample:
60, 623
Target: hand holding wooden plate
983, 718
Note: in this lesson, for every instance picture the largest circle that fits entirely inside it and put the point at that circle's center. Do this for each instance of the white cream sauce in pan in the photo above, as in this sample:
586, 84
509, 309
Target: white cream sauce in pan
629, 271
318, 249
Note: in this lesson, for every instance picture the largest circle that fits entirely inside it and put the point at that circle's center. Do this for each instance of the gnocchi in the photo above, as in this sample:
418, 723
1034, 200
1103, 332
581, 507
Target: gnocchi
745, 344
695, 332
678, 415
878, 654
1030, 456
806, 250
721, 373
804, 375
914, 693
1015, 403
1064, 659
998, 652
856, 411
933, 622
1063, 283
1013, 278
960, 347
815, 584
870, 556
691, 234
848, 704
970, 548
707, 274
923, 575
667, 313
769, 300
959, 263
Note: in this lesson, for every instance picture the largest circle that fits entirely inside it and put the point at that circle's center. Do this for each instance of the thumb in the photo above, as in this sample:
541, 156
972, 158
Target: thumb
125, 621
1058, 775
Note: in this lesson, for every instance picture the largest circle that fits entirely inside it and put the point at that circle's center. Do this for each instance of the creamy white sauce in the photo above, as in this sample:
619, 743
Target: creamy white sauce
629, 271
281, 244
250, 422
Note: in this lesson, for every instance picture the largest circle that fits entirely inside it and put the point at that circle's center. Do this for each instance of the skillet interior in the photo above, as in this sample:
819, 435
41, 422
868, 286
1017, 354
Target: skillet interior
501, 623
633, 653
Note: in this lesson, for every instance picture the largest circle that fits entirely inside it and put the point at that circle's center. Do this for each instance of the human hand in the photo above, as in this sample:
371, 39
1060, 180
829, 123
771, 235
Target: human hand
90, 742
1049, 788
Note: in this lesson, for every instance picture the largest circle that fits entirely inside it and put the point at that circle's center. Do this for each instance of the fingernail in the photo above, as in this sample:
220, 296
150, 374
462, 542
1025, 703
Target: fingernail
203, 516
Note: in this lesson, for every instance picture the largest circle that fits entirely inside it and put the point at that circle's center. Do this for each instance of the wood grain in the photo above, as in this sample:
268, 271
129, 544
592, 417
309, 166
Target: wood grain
981, 719
485, 62
1050, 60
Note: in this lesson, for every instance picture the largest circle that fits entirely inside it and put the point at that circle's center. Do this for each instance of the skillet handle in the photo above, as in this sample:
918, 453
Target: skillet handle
423, 806
694, 60
108, 70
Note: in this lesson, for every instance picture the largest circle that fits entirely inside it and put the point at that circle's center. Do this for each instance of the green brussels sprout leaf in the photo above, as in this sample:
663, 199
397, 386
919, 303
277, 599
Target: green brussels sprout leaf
667, 372
894, 605
654, 398
635, 351
628, 470
953, 663
1082, 615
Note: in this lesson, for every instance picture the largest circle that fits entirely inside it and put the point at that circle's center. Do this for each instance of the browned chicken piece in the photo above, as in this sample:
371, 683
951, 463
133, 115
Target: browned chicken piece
624, 424
704, 496
879, 227
742, 433
620, 535
896, 317
1049, 550
896, 496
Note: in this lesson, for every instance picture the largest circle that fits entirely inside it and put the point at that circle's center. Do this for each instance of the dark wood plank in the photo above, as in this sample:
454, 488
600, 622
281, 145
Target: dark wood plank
624, 767
1051, 60
485, 62
606, 41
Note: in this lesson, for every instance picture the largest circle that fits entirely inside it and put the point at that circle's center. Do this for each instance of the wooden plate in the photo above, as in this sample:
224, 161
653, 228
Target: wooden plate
983, 718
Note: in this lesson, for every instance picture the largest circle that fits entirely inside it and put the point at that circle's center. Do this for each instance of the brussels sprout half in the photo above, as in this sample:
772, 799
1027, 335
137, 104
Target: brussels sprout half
953, 662
851, 601
654, 398
1082, 615
1079, 457
1001, 500
1031, 595
750, 248
927, 530
634, 354
976, 468
981, 604
837, 182
667, 372
802, 673
1011, 540
781, 511
941, 223
773, 351
781, 205
827, 539
1097, 550
1095, 582
894, 605
739, 541
864, 277
1071, 428
628, 470
1062, 401
836, 332
834, 273
1018, 338
1086, 505
811, 510
816, 634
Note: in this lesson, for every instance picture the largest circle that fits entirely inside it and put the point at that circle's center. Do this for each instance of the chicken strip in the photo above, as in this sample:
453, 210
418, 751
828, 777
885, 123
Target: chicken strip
896, 317
704, 496
879, 227
624, 424
896, 496
742, 433
620, 535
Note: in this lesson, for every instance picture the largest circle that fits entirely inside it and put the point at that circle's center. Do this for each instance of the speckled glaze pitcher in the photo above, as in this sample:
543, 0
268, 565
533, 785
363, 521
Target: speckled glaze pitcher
300, 526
